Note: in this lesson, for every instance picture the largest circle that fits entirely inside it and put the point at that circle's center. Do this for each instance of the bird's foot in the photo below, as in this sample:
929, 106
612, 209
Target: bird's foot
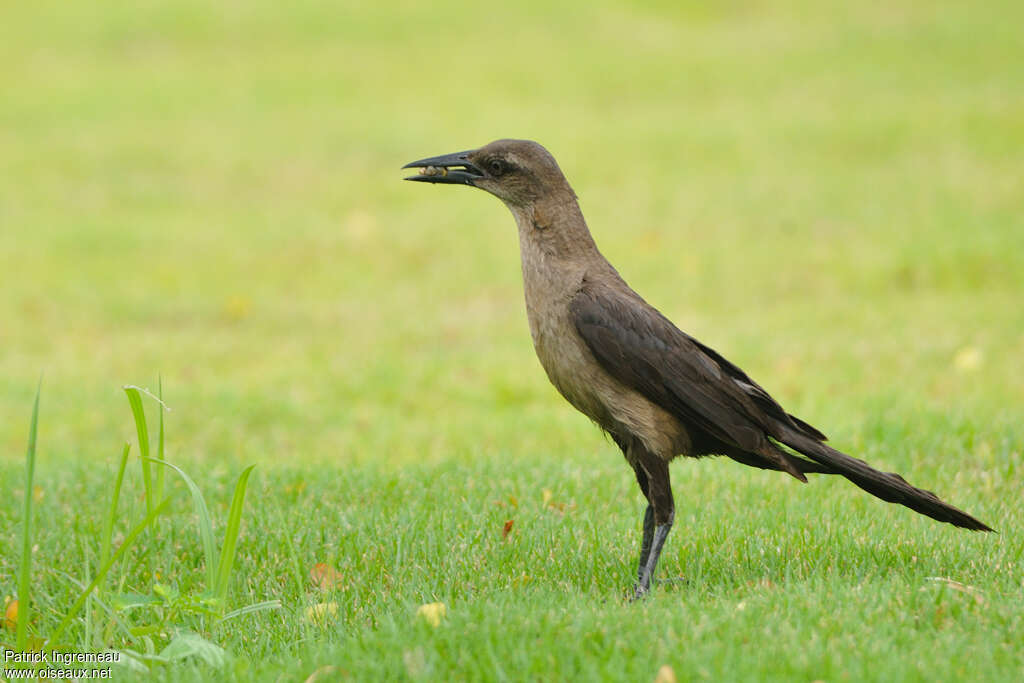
639, 593
642, 590
642, 587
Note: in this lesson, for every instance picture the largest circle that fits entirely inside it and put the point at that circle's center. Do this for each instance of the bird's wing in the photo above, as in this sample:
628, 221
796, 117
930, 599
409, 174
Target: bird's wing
761, 397
642, 349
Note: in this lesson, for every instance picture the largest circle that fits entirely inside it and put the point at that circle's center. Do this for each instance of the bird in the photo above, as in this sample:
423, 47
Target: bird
658, 392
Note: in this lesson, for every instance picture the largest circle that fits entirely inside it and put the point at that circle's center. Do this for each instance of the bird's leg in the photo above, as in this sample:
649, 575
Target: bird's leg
645, 547
660, 514
643, 585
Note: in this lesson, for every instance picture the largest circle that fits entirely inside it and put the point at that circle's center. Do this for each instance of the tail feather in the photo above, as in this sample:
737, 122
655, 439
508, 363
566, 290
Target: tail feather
807, 428
888, 486
802, 465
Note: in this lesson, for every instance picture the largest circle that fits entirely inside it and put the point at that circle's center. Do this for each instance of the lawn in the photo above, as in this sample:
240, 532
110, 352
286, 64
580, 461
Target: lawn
830, 194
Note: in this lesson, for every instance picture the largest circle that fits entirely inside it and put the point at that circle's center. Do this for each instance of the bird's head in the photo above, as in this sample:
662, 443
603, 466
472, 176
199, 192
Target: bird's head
519, 172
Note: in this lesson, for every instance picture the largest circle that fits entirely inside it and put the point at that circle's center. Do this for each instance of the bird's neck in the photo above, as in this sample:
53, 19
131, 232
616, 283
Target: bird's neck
556, 247
555, 228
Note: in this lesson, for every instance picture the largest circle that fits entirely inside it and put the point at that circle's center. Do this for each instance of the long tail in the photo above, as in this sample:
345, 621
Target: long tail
888, 486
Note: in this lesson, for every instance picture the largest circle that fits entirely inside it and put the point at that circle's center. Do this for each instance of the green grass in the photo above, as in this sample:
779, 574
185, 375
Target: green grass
829, 194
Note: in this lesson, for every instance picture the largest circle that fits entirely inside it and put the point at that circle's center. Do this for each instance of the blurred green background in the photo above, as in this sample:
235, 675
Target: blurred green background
830, 194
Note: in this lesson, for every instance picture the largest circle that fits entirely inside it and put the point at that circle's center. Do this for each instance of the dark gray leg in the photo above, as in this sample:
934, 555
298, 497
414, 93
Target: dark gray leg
645, 548
658, 517
643, 585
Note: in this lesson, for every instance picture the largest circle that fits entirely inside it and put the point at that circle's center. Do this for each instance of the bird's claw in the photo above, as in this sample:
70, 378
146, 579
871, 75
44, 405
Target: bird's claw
640, 591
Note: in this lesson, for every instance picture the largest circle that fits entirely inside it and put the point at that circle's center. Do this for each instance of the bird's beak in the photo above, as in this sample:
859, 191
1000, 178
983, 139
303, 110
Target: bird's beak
448, 168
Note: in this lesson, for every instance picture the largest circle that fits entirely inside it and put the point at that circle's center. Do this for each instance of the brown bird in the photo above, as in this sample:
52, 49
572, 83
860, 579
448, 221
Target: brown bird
658, 392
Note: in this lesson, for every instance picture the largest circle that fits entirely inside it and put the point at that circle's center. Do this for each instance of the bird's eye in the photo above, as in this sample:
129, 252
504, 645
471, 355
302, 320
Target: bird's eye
496, 167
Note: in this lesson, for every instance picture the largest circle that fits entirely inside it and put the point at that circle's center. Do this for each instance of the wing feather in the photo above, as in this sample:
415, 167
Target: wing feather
644, 350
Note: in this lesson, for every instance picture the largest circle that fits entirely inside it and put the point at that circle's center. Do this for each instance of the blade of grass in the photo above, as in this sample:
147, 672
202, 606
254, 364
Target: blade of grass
135, 401
160, 440
296, 567
249, 609
102, 573
205, 525
87, 619
108, 526
227, 552
25, 565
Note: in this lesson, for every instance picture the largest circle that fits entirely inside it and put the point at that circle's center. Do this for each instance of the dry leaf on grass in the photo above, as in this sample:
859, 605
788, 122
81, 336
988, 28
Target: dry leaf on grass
321, 612
555, 505
432, 613
975, 593
324, 576
11, 615
321, 674
665, 675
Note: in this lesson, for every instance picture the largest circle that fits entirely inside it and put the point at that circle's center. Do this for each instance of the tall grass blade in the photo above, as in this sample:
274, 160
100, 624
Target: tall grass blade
25, 565
160, 440
205, 526
108, 526
135, 401
296, 567
227, 552
87, 621
249, 609
102, 573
